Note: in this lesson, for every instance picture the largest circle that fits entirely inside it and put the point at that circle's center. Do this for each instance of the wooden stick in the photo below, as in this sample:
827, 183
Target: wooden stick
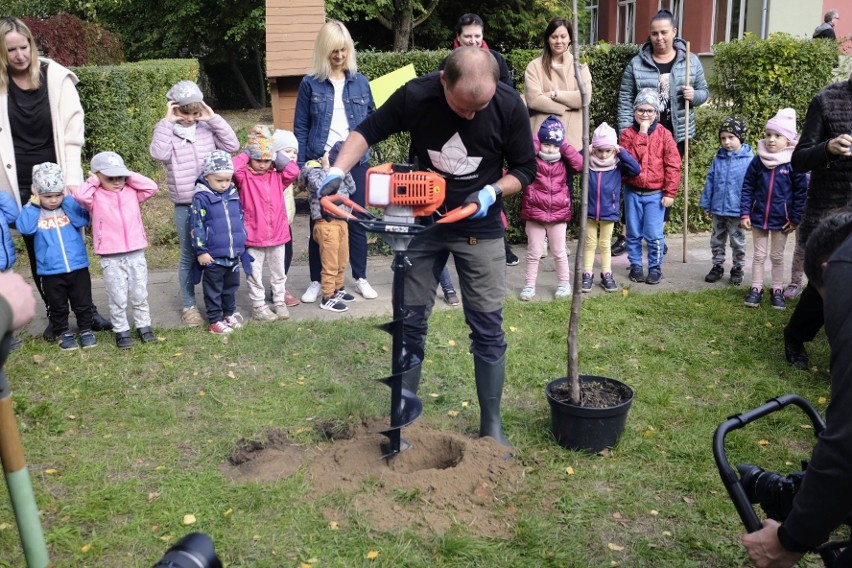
686, 162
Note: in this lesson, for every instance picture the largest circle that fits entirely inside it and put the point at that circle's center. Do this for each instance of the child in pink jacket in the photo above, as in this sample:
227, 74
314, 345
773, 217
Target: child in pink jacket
546, 205
261, 185
112, 195
189, 131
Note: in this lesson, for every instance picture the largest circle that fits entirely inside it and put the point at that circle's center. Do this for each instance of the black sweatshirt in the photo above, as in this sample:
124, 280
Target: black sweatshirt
469, 154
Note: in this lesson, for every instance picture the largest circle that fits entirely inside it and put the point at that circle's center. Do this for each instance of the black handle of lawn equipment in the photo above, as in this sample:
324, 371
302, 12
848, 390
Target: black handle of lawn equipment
729, 475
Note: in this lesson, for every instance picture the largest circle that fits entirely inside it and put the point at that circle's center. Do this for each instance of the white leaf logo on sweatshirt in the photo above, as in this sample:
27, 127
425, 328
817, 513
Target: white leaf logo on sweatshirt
453, 158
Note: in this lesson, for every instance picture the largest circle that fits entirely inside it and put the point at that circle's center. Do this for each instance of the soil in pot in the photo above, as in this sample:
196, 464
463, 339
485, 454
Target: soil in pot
594, 394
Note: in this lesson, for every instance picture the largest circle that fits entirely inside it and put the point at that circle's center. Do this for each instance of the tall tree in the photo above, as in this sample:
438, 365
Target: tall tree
399, 16
214, 31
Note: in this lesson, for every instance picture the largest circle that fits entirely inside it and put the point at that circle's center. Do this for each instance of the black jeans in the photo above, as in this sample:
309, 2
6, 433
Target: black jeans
807, 318
74, 288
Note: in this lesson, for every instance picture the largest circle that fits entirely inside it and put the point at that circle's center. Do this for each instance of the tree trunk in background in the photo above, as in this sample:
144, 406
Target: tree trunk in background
238, 76
402, 30
261, 77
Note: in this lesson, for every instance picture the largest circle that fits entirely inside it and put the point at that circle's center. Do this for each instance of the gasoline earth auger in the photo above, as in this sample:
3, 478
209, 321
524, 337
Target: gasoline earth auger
408, 198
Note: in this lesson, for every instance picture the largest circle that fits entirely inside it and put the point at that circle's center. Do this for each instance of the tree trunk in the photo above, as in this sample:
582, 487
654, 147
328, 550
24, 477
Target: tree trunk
261, 77
402, 29
238, 75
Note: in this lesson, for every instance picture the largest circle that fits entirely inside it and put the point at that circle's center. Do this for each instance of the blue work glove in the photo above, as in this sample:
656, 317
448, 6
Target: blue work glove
484, 198
331, 183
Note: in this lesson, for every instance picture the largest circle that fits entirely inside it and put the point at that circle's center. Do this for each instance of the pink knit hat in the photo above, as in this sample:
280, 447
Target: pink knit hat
784, 123
604, 137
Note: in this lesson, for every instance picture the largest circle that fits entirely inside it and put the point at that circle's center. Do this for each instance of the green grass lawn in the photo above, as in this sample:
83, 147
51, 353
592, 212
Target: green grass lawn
122, 445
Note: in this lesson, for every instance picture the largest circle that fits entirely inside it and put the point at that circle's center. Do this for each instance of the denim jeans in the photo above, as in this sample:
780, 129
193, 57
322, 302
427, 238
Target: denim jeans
187, 255
644, 214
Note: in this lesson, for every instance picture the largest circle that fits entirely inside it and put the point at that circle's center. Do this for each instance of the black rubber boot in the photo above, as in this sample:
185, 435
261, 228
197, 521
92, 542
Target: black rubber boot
489, 390
411, 379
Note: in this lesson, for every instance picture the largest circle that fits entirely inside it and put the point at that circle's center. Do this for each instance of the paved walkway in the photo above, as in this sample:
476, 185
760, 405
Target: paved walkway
677, 275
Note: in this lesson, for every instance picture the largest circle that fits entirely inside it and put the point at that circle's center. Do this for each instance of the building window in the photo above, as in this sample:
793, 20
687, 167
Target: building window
676, 8
626, 22
729, 18
593, 23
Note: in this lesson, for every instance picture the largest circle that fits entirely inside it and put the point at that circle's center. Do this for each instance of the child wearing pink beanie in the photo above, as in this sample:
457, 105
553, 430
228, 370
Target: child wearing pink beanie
771, 206
607, 163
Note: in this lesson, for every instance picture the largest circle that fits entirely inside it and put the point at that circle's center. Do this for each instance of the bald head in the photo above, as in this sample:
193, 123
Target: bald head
470, 79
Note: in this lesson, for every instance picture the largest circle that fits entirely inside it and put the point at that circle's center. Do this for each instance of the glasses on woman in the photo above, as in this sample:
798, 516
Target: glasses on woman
645, 111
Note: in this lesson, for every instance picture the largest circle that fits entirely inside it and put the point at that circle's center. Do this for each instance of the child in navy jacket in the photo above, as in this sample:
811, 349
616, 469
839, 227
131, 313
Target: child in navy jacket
61, 259
772, 203
607, 163
721, 198
219, 240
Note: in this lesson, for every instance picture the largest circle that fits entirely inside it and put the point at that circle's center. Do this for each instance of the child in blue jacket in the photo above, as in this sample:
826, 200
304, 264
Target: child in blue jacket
219, 239
772, 203
721, 198
607, 163
61, 259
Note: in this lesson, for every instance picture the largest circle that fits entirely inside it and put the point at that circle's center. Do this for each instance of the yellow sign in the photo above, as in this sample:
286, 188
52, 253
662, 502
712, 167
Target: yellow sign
384, 86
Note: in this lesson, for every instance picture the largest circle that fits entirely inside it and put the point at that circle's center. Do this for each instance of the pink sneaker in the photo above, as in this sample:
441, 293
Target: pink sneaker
219, 328
792, 290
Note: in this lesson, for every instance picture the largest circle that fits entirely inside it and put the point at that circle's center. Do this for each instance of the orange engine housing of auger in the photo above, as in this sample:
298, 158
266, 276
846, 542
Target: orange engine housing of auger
396, 184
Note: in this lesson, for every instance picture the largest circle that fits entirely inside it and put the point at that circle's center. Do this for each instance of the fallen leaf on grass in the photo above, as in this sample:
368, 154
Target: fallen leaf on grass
617, 516
332, 525
372, 555
688, 500
465, 404
85, 548
167, 538
178, 354
231, 375
625, 292
38, 359
512, 328
763, 442
153, 496
201, 393
614, 547
821, 400
451, 342
51, 471
667, 533
228, 512
189, 519
654, 512
452, 413
569, 470
4, 526
806, 426
768, 325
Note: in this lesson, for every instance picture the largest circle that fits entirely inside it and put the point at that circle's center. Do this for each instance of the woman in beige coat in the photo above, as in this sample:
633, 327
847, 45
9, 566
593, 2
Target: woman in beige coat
550, 85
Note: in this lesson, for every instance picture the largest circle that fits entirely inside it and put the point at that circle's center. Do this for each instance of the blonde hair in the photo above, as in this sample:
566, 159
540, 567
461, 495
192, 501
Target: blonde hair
332, 36
7, 26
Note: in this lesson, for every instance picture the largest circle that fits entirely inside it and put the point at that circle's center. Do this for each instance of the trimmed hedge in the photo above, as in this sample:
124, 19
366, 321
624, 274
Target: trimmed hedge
123, 104
782, 71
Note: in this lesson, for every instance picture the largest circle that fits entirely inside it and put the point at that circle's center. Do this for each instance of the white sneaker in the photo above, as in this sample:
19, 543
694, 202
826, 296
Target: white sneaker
281, 311
527, 293
563, 291
312, 293
363, 287
234, 321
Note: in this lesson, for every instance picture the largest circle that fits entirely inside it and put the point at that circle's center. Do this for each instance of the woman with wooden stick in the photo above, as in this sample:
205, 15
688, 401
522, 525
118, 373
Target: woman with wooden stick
661, 64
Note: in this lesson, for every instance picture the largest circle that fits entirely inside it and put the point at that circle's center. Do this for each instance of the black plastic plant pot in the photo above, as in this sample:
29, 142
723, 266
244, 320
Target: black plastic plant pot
588, 429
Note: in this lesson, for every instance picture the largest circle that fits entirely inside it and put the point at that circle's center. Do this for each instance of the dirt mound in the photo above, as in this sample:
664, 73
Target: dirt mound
266, 460
443, 479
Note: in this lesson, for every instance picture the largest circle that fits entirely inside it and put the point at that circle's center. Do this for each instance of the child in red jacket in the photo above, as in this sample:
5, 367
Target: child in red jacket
546, 206
647, 195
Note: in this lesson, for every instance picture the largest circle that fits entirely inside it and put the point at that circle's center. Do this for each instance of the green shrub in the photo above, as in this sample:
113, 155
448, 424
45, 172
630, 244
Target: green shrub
123, 104
606, 64
374, 64
781, 71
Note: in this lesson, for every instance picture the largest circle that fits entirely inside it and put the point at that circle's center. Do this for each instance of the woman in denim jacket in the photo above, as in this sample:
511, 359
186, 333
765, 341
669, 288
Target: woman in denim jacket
333, 99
